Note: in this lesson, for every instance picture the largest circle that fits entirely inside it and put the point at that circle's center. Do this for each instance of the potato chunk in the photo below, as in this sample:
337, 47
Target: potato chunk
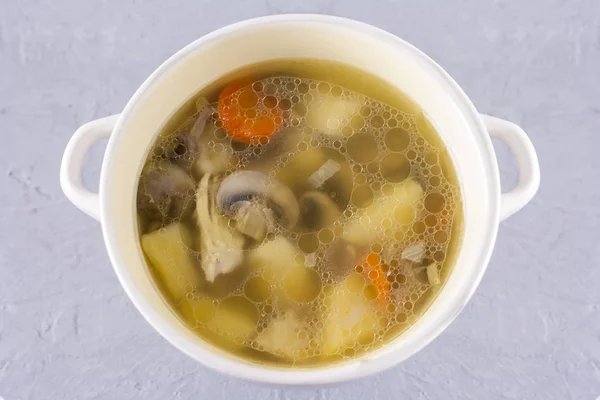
227, 324
361, 230
236, 317
169, 256
327, 112
274, 258
286, 337
351, 318
281, 263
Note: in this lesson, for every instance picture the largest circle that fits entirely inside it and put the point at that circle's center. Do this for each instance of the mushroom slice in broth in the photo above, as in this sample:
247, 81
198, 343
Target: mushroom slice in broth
318, 210
253, 186
166, 192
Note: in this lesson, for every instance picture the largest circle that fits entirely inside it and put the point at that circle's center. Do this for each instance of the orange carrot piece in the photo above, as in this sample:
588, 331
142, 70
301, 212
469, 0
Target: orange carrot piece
374, 270
244, 118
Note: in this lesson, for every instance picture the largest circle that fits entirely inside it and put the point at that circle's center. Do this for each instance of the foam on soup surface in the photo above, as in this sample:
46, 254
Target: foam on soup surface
299, 213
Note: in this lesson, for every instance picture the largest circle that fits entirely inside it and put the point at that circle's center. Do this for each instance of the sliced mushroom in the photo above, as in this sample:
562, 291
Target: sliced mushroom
318, 210
221, 247
166, 192
190, 151
254, 186
284, 142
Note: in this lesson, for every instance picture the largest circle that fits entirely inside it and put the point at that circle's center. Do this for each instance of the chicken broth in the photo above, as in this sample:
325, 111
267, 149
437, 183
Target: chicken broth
299, 212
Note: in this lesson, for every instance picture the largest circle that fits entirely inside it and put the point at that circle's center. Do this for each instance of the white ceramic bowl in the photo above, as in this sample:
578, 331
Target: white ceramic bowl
465, 132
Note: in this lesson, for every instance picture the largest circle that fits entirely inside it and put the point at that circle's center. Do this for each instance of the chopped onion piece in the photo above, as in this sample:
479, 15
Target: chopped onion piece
324, 173
203, 116
201, 102
310, 260
414, 253
432, 274
251, 221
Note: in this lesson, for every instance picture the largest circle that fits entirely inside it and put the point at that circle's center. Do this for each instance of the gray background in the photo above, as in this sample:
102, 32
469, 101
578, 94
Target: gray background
67, 330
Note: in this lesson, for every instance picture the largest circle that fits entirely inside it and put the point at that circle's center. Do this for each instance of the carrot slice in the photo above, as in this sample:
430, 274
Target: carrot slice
373, 268
245, 118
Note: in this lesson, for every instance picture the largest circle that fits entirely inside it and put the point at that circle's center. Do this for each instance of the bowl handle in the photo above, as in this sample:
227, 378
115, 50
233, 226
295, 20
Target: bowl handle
70, 167
529, 167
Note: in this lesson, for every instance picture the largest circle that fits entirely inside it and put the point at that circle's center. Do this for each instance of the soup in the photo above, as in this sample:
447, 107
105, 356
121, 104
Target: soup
299, 213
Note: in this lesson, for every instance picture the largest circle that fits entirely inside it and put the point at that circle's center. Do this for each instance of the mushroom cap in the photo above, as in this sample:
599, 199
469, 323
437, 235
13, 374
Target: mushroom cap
188, 145
318, 209
256, 186
166, 191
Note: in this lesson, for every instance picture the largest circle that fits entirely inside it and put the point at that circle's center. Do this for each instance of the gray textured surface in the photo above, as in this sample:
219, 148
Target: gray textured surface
67, 330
